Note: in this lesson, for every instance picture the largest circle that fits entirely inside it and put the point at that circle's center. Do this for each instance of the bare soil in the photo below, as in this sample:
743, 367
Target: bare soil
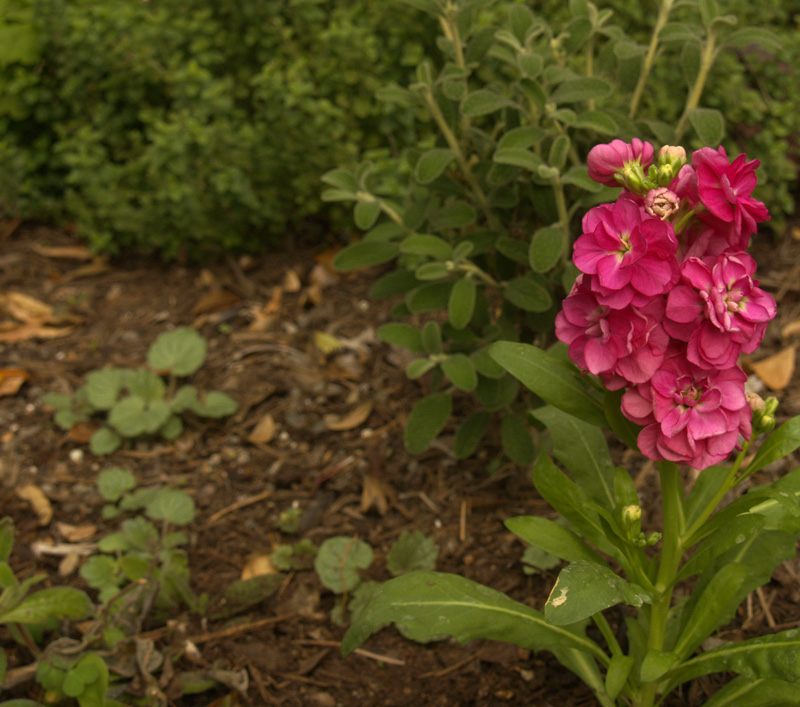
262, 318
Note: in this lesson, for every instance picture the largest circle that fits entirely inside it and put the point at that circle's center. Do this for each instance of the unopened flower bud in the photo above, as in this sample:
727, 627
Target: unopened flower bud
670, 160
763, 413
661, 203
652, 539
631, 514
755, 401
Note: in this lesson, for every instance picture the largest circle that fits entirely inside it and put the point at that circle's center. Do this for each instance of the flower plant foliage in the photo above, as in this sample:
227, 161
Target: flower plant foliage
665, 302
478, 221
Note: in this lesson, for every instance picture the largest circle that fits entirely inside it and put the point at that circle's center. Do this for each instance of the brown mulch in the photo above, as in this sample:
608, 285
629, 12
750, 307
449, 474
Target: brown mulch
263, 318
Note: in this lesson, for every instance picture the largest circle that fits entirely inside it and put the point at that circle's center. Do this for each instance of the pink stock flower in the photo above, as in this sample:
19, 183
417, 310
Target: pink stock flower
606, 161
624, 347
690, 415
725, 189
719, 309
661, 203
631, 254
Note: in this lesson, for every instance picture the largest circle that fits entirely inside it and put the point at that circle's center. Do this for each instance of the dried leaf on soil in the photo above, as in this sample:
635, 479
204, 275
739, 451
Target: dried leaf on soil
68, 252
39, 502
257, 566
356, 417
291, 281
264, 431
82, 432
791, 329
374, 493
776, 371
11, 380
97, 267
26, 318
215, 301
76, 533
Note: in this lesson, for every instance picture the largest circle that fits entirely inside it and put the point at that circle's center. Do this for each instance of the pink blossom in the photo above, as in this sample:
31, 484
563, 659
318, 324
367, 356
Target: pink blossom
661, 203
690, 415
631, 254
624, 347
718, 309
725, 189
606, 161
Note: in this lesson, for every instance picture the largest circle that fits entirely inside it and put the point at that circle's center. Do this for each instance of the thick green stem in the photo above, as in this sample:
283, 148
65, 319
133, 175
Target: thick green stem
671, 553
706, 62
650, 57
611, 640
563, 218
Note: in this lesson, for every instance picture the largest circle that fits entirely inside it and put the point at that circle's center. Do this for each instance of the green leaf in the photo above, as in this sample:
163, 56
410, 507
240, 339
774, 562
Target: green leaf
143, 384
134, 416
470, 432
582, 449
400, 334
515, 435
617, 674
3, 666
172, 428
429, 297
365, 254
365, 214
677, 32
412, 551
245, 593
419, 367
431, 338
753, 36
528, 294
461, 305
546, 248
599, 121
746, 692
767, 657
726, 536
338, 561
579, 176
455, 214
114, 482
53, 603
171, 505
657, 663
432, 271
709, 124
585, 588
103, 387
518, 158
101, 571
6, 539
483, 102
424, 244
180, 352
521, 138
778, 444
553, 538
427, 419
341, 179
432, 164
215, 404
553, 380
583, 89
104, 441
460, 371
428, 605
559, 150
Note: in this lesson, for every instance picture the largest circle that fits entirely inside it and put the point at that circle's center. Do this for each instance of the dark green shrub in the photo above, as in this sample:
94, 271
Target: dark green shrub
161, 125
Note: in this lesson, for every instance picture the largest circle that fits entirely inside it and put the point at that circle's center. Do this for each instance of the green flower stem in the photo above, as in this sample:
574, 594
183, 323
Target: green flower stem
706, 62
468, 267
611, 640
563, 218
650, 57
589, 69
688, 538
671, 554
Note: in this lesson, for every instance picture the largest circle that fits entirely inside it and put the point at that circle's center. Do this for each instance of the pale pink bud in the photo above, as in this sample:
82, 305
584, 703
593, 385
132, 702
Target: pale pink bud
672, 153
661, 203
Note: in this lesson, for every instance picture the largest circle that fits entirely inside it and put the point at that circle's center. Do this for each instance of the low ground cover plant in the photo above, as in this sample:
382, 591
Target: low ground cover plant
650, 337
478, 222
139, 403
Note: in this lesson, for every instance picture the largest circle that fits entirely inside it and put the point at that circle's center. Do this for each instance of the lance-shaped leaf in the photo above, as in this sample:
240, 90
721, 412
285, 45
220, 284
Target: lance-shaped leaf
430, 605
782, 442
766, 657
586, 588
581, 448
553, 380
745, 692
56, 603
553, 538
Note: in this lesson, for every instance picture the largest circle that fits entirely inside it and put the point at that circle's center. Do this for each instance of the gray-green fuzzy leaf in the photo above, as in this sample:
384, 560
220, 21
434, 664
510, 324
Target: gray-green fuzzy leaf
180, 352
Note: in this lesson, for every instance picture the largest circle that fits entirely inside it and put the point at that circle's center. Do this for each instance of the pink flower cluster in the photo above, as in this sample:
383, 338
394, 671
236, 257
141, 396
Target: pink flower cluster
667, 298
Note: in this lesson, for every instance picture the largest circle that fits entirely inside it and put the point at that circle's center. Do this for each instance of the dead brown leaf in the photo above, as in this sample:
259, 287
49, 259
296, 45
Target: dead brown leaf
374, 493
323, 277
25, 317
68, 565
67, 252
791, 329
264, 317
98, 266
777, 370
82, 432
76, 533
258, 565
264, 430
291, 281
39, 502
355, 418
11, 380
214, 301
